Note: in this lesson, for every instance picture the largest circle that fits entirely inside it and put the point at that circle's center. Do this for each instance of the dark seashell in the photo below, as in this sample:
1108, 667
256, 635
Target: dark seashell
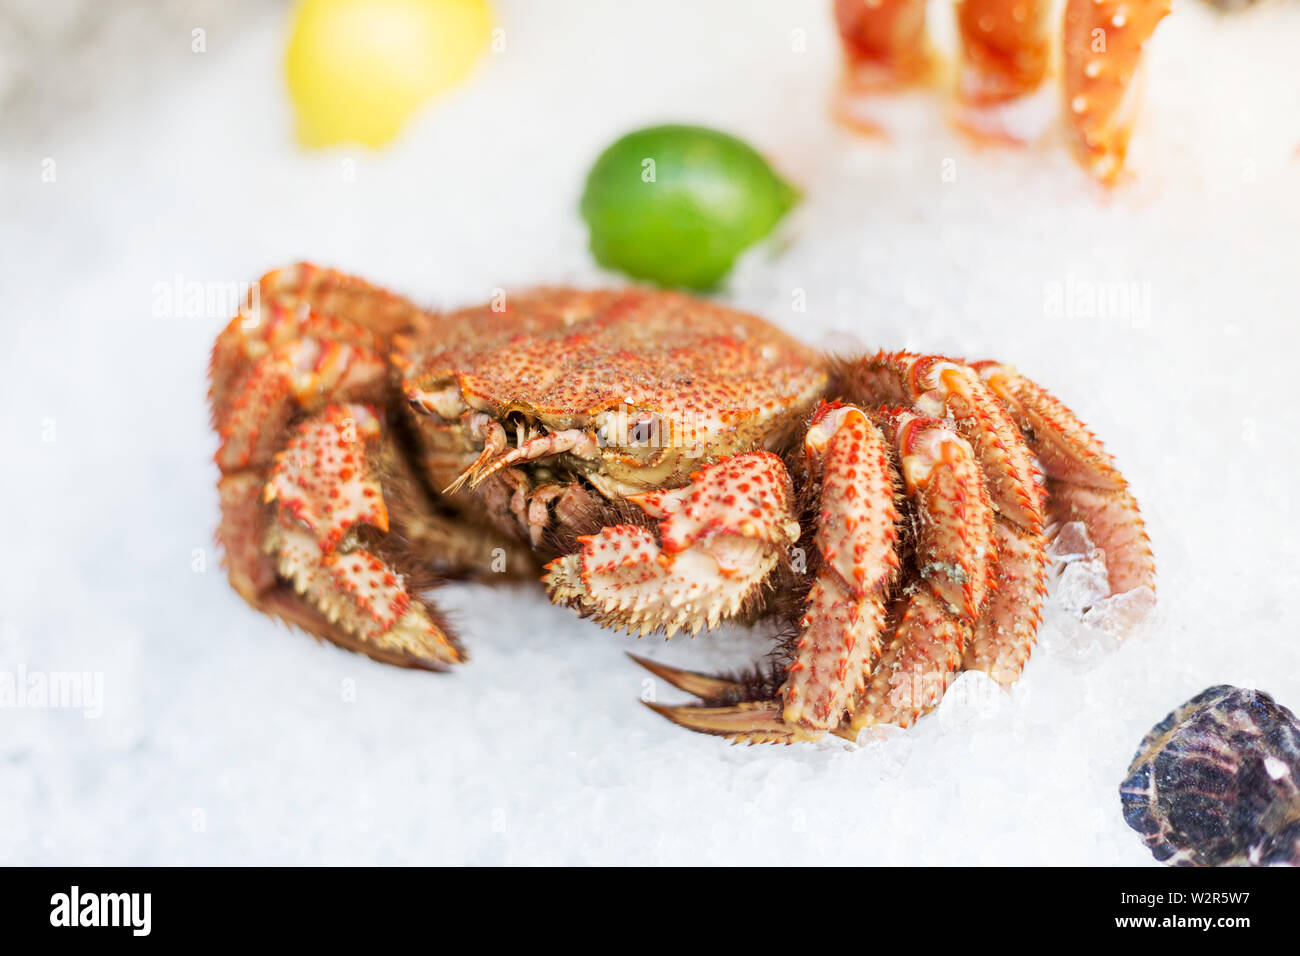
1217, 782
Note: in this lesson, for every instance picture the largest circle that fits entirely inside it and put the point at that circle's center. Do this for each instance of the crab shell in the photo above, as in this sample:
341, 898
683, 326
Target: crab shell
651, 385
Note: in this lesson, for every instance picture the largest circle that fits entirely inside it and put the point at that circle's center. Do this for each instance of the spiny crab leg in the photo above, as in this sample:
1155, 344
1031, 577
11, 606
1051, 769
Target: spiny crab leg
719, 537
303, 512
955, 555
1004, 633
1084, 484
940, 387
955, 543
1104, 40
856, 540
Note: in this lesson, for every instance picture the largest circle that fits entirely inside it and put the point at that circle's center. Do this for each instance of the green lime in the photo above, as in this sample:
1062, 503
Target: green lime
677, 204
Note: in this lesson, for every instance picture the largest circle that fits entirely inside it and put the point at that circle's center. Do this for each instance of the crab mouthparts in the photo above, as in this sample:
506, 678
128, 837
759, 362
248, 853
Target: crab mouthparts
575, 441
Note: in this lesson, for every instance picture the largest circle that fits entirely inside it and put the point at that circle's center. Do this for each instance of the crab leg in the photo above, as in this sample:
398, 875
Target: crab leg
718, 539
856, 540
1104, 40
955, 556
1005, 52
885, 48
1005, 48
301, 302
1084, 483
1004, 633
885, 40
941, 387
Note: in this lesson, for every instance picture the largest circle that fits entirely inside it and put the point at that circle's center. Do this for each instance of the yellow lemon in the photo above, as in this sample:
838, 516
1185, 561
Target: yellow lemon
358, 69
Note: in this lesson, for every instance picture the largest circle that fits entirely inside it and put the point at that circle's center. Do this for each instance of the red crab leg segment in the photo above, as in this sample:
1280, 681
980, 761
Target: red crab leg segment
916, 668
292, 360
301, 302
857, 540
955, 557
1005, 48
719, 538
884, 40
939, 387
955, 534
1004, 635
1104, 40
1086, 486
325, 487
885, 50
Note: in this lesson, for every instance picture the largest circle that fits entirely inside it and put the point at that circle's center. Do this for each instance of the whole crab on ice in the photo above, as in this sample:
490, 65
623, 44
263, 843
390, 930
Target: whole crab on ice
677, 463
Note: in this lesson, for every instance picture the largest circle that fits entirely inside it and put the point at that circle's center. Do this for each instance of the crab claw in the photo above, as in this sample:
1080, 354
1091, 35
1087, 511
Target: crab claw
886, 50
1104, 40
324, 487
719, 538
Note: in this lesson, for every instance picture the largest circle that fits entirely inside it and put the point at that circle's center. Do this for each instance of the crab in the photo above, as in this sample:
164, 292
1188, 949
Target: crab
1006, 49
664, 464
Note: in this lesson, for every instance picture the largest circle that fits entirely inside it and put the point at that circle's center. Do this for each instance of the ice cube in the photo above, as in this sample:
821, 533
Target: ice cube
973, 696
1083, 584
1121, 614
1070, 543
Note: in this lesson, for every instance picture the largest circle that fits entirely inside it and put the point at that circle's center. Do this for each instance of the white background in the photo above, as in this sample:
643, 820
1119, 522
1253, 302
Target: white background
225, 738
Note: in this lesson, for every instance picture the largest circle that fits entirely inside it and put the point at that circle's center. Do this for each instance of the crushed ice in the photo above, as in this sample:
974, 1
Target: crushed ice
1092, 620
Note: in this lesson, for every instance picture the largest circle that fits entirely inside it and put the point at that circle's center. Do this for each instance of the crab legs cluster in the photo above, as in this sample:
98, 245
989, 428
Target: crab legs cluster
933, 461
1006, 51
